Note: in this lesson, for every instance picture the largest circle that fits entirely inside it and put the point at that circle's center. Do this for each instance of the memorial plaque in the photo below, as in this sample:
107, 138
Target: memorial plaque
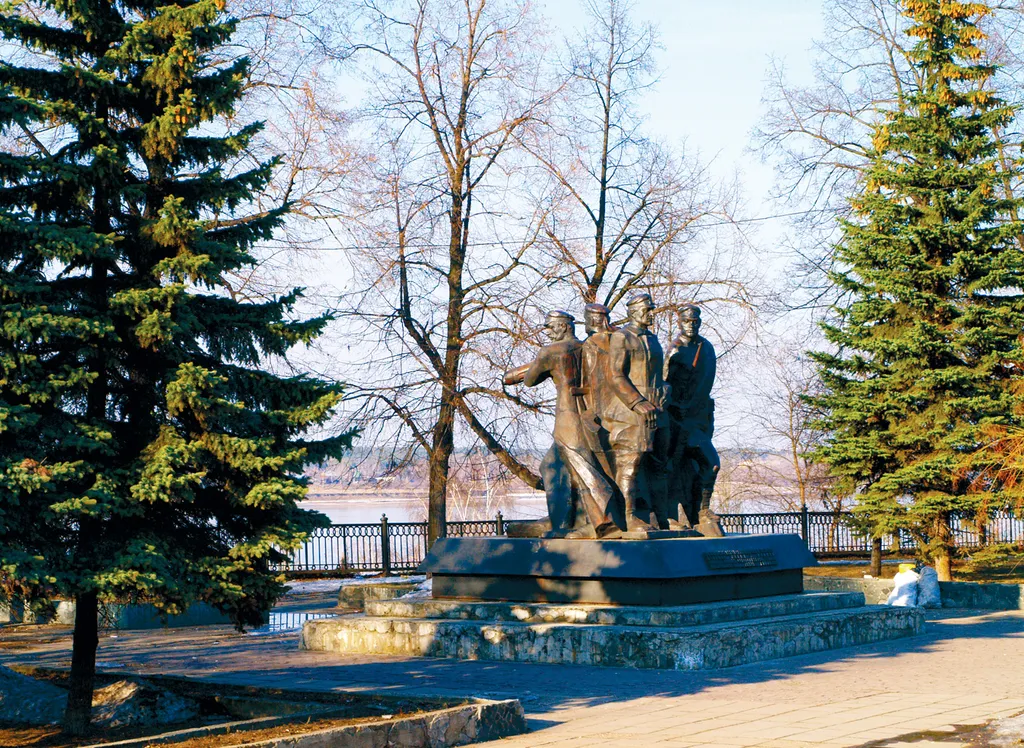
759, 559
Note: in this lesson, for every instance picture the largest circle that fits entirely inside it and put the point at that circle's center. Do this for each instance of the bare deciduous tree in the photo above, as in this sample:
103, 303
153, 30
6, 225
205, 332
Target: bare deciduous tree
471, 210
292, 89
441, 274
788, 420
626, 212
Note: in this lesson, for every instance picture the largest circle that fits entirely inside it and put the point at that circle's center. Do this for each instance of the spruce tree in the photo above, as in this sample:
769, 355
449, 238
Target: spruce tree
926, 347
146, 451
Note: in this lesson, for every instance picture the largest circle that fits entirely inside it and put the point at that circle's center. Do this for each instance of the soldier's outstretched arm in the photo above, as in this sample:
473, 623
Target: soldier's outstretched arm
516, 375
539, 370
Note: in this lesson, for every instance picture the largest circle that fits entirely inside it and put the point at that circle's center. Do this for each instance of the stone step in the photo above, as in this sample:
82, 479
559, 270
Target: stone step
608, 615
704, 647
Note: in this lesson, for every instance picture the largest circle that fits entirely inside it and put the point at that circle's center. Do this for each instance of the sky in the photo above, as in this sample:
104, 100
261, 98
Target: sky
714, 59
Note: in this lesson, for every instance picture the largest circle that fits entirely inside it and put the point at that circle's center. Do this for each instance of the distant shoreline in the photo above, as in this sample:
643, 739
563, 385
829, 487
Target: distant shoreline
348, 498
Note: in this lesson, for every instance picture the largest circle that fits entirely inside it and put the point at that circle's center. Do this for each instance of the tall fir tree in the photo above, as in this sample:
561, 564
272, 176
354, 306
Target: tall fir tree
146, 451
928, 344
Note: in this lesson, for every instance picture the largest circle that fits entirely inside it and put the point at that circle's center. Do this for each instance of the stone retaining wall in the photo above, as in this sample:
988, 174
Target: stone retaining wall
954, 594
664, 648
112, 615
356, 595
471, 723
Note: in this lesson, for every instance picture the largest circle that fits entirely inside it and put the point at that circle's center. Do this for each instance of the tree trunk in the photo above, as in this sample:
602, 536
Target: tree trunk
78, 713
944, 564
440, 459
944, 553
876, 558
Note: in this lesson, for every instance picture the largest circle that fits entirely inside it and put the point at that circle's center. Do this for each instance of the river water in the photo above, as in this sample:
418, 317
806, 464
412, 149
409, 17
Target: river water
360, 509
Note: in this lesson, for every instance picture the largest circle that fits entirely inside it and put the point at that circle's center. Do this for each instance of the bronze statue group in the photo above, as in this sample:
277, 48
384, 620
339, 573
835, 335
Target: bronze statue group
632, 451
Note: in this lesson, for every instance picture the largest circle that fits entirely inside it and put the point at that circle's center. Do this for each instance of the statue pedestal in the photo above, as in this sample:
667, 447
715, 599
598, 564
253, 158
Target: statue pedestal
652, 572
689, 637
677, 604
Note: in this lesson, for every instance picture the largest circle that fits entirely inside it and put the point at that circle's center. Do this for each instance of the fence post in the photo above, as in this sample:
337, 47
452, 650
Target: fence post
344, 549
805, 526
499, 525
385, 546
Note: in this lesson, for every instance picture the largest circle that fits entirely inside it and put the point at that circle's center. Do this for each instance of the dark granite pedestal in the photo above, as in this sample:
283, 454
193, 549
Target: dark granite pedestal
676, 571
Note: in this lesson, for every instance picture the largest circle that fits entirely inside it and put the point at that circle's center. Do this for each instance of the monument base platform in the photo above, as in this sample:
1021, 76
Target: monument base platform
691, 637
656, 571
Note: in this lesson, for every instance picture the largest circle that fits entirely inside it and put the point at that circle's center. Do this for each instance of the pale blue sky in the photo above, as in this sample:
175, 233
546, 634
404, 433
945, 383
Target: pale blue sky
713, 63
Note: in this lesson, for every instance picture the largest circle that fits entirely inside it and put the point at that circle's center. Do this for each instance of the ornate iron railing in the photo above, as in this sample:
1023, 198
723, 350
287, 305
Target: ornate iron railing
362, 547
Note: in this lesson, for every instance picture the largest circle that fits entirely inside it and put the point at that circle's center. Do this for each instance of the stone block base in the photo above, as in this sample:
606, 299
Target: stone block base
357, 595
692, 637
982, 596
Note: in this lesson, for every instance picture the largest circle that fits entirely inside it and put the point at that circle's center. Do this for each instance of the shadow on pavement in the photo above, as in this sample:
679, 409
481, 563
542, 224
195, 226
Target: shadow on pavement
218, 653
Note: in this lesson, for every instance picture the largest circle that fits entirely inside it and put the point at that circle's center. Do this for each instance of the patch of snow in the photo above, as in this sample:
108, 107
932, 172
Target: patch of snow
422, 591
333, 585
25, 700
412, 578
126, 703
314, 585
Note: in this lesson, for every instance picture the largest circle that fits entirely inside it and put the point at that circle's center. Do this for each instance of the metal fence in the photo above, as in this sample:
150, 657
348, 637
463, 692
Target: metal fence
391, 547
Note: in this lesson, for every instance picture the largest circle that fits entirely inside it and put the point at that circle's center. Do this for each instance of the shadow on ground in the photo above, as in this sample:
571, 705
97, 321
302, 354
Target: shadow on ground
218, 653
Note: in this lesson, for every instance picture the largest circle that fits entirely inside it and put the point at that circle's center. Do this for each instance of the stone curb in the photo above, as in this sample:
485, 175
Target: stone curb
472, 723
989, 596
223, 728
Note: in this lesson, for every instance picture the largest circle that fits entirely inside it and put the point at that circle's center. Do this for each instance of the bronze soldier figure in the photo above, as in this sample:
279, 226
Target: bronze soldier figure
562, 362
635, 417
690, 372
596, 355
597, 393
597, 389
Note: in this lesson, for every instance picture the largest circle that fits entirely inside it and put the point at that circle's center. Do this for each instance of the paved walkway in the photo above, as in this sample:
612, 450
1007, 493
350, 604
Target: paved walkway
935, 689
